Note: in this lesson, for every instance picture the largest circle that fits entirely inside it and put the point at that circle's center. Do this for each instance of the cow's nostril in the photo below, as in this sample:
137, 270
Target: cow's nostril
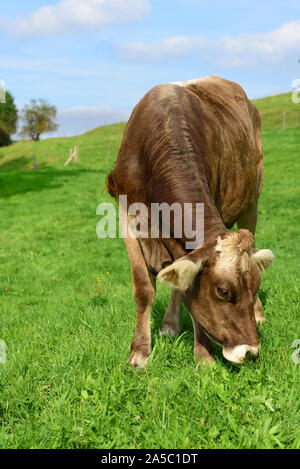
253, 350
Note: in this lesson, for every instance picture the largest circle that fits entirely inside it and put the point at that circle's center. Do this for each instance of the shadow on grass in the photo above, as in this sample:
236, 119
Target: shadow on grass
186, 325
263, 295
20, 182
16, 164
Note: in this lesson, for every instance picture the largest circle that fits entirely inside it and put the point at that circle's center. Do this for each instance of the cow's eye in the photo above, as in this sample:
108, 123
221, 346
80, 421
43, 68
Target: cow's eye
223, 293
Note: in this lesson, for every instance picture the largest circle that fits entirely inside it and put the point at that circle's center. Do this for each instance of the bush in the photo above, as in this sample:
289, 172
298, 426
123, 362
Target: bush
8, 119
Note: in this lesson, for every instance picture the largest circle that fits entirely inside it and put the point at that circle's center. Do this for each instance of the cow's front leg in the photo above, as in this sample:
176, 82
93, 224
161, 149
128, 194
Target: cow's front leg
258, 311
144, 294
203, 349
171, 321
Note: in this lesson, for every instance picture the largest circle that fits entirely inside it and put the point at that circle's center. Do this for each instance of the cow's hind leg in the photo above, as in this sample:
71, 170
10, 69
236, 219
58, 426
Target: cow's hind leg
144, 294
171, 321
203, 350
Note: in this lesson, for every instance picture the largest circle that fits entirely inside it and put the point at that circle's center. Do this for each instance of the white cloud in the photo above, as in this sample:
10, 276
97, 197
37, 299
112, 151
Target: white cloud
47, 65
69, 15
171, 47
271, 46
246, 50
80, 119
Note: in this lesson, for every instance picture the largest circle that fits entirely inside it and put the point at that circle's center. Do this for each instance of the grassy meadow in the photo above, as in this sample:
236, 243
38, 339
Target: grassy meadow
67, 314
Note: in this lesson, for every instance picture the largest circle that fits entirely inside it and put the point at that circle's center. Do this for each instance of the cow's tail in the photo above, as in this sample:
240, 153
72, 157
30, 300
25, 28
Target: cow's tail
111, 185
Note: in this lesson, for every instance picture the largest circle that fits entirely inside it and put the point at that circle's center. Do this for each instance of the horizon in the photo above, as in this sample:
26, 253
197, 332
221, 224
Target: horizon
124, 122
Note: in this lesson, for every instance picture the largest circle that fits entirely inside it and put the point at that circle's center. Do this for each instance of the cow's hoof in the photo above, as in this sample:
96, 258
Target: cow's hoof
204, 361
169, 330
202, 356
138, 359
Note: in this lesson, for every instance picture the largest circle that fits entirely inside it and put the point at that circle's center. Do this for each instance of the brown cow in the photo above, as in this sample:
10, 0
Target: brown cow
197, 142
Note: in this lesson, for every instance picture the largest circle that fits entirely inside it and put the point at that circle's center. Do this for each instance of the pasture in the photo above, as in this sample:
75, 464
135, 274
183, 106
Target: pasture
67, 314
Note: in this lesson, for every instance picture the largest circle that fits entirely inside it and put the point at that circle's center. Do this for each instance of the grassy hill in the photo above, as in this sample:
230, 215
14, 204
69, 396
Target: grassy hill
272, 107
67, 314
97, 147
100, 146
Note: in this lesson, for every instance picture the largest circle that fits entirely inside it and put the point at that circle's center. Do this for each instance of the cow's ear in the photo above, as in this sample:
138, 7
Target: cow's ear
263, 258
181, 273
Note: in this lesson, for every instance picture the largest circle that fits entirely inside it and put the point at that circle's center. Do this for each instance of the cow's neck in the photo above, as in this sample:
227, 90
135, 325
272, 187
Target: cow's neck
213, 223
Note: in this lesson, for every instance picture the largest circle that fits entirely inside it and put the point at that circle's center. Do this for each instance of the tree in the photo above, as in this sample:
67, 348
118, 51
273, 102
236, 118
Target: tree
8, 119
39, 117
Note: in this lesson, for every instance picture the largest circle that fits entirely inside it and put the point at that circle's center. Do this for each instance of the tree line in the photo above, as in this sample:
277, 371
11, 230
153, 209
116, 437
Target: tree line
37, 117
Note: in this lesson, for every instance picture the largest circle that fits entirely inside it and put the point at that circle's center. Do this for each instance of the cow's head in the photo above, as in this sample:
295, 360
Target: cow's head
218, 283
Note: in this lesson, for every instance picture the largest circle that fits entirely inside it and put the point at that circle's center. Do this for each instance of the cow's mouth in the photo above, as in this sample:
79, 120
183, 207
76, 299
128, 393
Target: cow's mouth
235, 354
238, 353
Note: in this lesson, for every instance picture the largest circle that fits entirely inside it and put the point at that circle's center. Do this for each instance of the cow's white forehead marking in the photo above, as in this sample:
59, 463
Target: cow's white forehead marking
230, 256
194, 81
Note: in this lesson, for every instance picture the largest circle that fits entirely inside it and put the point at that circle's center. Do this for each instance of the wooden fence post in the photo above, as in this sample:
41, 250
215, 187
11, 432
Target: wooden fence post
108, 153
73, 155
283, 120
35, 166
76, 152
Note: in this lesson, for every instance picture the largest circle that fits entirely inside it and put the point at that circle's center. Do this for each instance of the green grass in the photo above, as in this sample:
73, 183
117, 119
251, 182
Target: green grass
65, 383
272, 107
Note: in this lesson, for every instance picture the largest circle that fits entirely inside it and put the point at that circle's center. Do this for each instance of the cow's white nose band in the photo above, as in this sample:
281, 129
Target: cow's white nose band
237, 354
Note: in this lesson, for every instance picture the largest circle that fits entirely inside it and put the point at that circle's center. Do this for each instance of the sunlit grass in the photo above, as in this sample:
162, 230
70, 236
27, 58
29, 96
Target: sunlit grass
67, 316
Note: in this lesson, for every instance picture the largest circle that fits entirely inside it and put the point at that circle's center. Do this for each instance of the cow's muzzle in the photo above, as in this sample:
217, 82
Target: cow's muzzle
237, 354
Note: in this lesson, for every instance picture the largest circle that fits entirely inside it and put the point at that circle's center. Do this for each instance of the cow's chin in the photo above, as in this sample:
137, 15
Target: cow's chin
238, 353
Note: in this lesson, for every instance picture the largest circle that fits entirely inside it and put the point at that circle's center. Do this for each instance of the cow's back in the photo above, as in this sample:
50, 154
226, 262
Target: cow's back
241, 154
186, 140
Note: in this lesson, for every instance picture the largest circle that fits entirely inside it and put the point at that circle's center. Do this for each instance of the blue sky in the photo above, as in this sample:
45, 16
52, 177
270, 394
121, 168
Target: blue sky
95, 59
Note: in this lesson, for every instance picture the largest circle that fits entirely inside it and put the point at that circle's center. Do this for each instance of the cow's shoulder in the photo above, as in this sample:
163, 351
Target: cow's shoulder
214, 89
166, 94
197, 81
